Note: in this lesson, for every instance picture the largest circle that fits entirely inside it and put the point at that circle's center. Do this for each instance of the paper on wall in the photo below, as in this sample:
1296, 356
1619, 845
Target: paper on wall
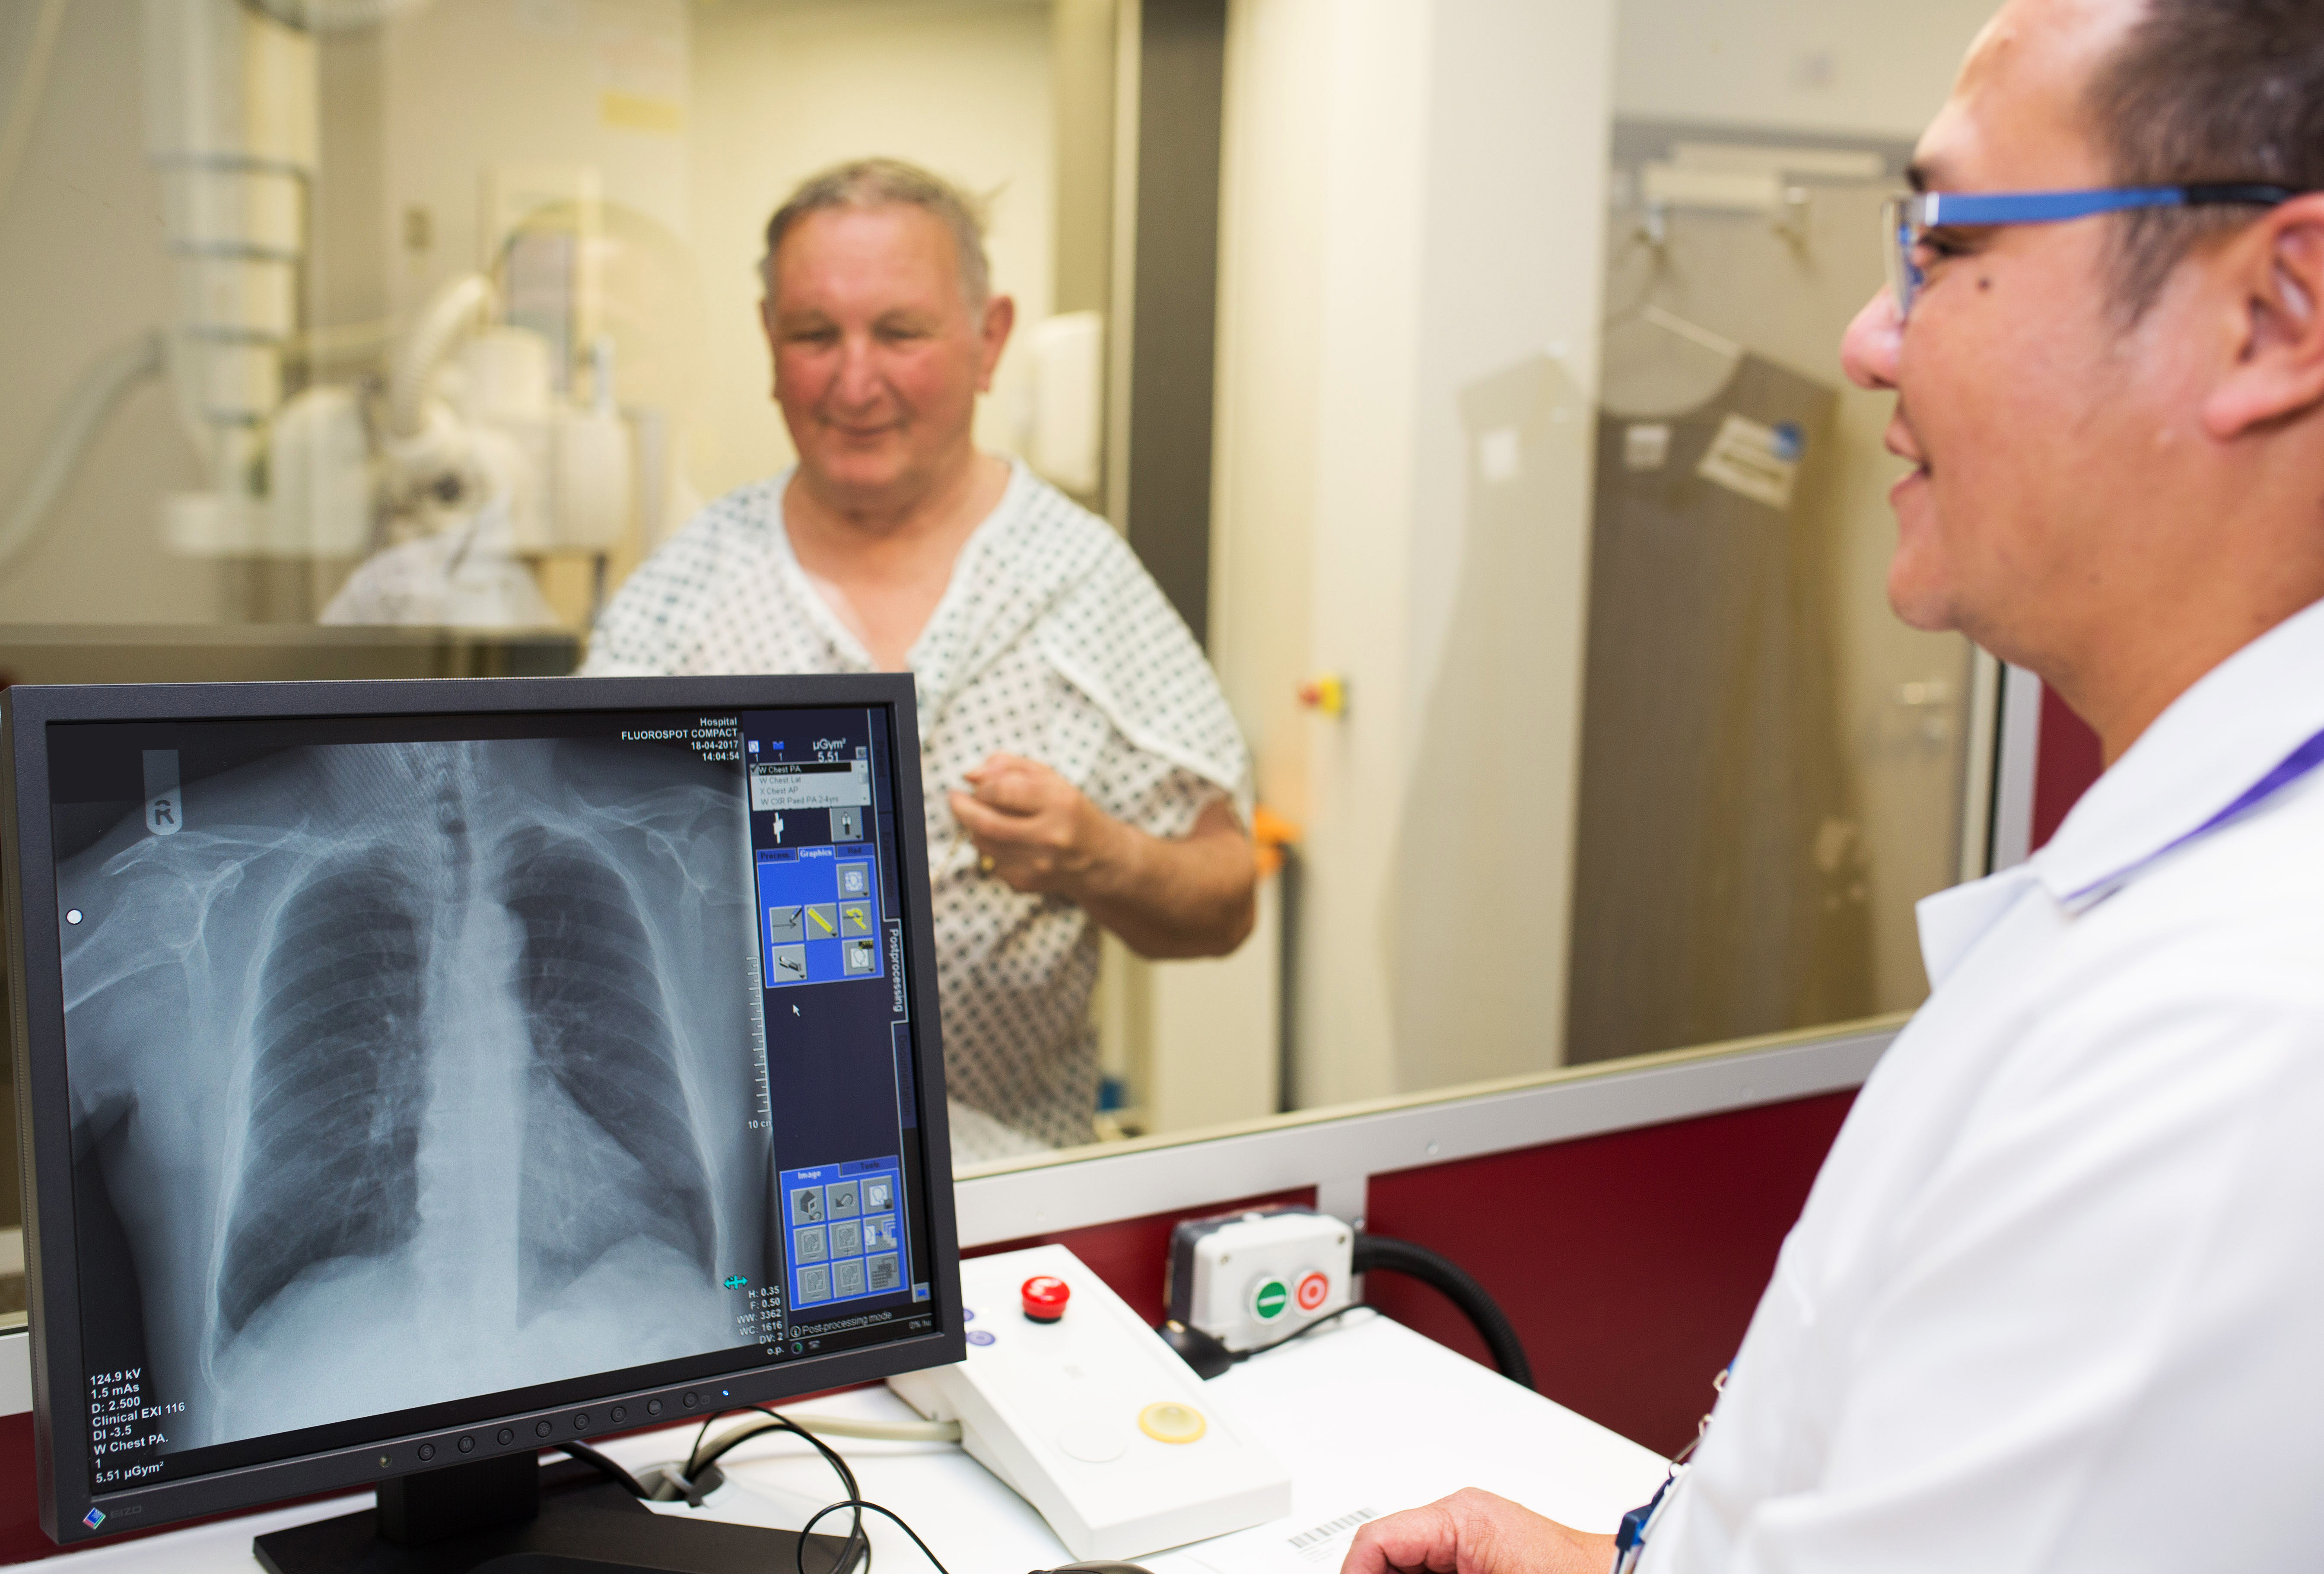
1646, 445
1501, 454
1756, 461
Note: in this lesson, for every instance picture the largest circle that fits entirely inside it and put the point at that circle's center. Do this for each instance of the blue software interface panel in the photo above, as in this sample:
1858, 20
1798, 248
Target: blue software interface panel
819, 907
847, 1231
843, 1103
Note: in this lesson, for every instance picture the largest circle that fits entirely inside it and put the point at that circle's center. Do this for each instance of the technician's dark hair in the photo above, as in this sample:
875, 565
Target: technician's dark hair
2204, 90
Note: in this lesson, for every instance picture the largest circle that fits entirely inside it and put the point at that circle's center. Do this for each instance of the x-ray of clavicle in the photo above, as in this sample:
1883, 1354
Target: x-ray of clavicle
462, 1030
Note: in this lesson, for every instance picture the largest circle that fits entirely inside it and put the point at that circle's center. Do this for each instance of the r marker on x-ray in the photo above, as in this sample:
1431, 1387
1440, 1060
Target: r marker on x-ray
165, 808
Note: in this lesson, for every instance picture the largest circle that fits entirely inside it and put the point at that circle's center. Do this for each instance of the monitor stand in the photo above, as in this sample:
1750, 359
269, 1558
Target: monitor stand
514, 1516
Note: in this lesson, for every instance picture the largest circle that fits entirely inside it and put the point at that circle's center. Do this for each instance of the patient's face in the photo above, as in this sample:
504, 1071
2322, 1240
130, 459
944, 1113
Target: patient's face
879, 355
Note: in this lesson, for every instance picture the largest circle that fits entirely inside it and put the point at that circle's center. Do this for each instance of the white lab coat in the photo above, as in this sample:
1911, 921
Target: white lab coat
2056, 1303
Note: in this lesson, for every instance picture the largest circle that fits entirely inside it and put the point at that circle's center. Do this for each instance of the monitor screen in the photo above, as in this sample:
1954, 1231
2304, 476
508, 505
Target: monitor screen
427, 1069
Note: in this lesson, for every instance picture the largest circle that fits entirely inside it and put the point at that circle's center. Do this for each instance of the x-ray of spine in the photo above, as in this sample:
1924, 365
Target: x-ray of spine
422, 1071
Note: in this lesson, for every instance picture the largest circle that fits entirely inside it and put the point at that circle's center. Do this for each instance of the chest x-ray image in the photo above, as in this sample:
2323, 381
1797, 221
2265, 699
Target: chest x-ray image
418, 1071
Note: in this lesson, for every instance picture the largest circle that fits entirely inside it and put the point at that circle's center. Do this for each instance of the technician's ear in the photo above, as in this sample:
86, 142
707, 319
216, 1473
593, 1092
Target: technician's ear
1000, 318
2279, 369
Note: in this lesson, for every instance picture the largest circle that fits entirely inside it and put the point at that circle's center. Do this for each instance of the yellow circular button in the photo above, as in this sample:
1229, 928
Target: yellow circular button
1172, 1423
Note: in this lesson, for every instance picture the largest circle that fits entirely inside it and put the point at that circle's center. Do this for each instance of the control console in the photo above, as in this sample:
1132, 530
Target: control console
1073, 1402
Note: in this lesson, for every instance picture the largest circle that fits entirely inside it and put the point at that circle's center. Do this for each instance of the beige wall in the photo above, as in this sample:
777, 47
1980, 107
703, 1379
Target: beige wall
1851, 65
1414, 197
82, 270
479, 84
1472, 930
1271, 254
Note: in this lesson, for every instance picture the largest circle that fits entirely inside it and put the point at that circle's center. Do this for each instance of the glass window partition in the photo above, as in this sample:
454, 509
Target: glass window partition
1466, 373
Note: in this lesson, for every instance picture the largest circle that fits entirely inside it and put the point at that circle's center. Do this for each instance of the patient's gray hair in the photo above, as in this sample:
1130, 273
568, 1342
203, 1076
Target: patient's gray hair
884, 183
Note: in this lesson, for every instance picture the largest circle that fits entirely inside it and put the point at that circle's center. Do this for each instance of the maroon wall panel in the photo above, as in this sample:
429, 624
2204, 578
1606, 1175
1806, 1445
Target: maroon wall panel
1629, 1263
1132, 1255
2067, 761
20, 1513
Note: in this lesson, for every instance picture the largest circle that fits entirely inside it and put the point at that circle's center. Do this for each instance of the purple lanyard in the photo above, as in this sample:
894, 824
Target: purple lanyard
2297, 764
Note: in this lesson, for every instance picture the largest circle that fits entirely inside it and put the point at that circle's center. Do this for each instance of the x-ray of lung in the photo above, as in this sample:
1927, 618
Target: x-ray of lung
419, 1071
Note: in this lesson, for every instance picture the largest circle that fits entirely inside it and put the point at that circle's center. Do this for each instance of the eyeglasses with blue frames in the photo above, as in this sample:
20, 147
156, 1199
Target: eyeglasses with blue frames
1906, 221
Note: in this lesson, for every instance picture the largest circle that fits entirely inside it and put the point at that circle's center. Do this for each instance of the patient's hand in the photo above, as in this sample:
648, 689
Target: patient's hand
1034, 828
1181, 896
1475, 1533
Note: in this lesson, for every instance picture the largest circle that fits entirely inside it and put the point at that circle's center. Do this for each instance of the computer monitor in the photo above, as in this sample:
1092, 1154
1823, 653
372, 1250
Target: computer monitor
422, 1074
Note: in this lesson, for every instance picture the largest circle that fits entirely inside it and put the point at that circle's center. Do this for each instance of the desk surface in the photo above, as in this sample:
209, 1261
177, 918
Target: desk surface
1370, 1417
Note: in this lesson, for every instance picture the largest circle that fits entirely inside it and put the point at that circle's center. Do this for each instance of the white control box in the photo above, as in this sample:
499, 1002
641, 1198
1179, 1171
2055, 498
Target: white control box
1249, 1279
1093, 1418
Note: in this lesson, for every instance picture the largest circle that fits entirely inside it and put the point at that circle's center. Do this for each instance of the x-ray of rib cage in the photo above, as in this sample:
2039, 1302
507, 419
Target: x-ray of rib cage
423, 1070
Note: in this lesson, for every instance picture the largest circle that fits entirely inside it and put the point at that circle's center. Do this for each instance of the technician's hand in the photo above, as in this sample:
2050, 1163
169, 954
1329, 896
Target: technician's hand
1475, 1533
1035, 830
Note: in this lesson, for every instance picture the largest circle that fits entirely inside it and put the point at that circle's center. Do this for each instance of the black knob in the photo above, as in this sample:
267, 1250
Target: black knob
467, 1445
690, 1400
507, 1435
581, 1421
653, 1407
541, 1430
620, 1414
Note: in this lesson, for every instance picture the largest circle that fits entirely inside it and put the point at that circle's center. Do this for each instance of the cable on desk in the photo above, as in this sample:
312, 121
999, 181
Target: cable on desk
603, 1466
1236, 1357
860, 1505
1381, 1253
1294, 1336
700, 1458
881, 1431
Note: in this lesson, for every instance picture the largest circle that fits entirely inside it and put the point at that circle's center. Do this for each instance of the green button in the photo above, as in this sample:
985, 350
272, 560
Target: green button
1270, 1299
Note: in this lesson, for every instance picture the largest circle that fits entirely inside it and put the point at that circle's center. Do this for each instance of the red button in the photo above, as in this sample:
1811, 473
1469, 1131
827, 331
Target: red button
1313, 1288
1045, 1298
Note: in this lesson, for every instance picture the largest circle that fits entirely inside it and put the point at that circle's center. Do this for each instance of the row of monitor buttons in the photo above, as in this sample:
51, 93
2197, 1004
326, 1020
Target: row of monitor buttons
582, 1421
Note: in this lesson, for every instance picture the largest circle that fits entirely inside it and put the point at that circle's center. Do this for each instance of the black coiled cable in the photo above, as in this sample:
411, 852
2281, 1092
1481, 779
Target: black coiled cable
858, 1544
1384, 1253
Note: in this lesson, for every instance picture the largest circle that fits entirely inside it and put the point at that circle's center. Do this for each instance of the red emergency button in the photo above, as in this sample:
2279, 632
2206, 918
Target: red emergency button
1313, 1288
1045, 1298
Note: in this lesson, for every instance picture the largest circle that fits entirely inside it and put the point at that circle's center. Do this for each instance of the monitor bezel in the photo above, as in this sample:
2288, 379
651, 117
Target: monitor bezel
43, 1105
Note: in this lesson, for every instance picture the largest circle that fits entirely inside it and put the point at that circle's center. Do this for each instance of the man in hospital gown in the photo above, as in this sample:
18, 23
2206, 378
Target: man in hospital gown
2053, 1304
1081, 767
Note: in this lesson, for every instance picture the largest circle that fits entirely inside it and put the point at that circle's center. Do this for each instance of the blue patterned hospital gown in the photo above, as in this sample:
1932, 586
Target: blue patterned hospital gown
1051, 642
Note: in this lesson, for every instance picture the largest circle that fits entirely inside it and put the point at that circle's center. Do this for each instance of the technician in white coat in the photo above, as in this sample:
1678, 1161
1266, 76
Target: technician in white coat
2054, 1302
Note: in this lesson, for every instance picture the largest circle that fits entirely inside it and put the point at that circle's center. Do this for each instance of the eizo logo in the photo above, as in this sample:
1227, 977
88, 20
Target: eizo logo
93, 1518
